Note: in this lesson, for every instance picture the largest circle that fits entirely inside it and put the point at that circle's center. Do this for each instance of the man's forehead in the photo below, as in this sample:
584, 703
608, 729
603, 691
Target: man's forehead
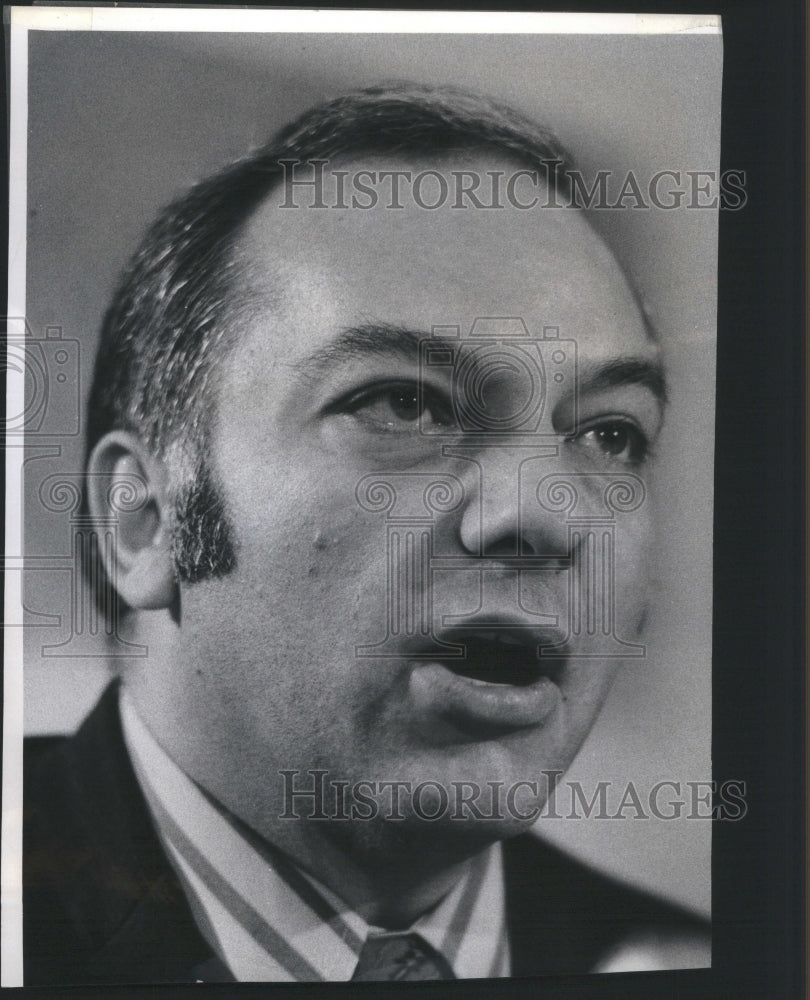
326, 268
397, 197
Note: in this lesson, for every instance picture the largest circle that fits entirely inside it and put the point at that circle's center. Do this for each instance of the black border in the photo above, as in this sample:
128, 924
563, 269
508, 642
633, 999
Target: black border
759, 686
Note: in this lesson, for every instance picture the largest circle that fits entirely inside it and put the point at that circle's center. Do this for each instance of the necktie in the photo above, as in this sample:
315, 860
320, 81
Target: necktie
400, 956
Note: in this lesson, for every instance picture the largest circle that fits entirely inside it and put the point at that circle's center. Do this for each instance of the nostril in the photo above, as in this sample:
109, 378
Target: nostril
508, 546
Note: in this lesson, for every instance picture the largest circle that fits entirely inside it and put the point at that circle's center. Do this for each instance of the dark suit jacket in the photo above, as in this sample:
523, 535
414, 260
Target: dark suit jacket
102, 904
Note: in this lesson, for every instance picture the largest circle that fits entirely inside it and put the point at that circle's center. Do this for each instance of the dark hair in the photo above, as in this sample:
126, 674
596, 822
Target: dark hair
167, 324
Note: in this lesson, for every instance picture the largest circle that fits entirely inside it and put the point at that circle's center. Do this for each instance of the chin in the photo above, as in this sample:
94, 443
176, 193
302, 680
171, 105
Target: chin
383, 843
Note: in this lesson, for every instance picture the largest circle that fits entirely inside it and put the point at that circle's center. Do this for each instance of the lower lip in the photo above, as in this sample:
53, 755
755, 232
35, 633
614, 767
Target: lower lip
435, 689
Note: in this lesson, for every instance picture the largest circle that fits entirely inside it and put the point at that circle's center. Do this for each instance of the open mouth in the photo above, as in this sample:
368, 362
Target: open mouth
502, 656
498, 685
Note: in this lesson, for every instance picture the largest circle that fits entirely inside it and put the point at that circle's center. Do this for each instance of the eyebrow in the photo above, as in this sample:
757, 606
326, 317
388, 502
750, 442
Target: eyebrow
621, 372
358, 343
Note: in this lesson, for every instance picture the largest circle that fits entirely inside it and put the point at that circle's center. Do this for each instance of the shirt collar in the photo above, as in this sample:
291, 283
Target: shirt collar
266, 918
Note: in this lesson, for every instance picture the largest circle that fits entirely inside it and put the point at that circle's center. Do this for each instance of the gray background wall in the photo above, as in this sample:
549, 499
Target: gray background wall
118, 123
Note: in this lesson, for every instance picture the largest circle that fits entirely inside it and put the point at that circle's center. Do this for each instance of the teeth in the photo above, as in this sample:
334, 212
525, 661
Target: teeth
499, 638
508, 640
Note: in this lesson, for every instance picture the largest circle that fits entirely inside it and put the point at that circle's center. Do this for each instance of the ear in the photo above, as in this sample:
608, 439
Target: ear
125, 482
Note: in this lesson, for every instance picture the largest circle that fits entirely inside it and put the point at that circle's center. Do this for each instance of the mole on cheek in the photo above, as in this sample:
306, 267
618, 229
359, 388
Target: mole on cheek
321, 541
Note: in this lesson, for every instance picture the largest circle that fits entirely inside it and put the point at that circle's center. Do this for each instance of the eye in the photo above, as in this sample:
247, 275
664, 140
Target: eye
399, 407
616, 440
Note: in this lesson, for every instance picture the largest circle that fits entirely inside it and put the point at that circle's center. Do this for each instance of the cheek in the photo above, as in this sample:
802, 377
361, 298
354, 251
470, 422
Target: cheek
298, 515
633, 574
314, 556
584, 693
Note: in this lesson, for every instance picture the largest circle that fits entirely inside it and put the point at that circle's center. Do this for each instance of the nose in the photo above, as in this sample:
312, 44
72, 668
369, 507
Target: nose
502, 516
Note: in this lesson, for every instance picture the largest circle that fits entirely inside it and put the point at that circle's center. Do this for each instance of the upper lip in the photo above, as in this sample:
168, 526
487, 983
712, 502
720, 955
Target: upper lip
507, 630
480, 634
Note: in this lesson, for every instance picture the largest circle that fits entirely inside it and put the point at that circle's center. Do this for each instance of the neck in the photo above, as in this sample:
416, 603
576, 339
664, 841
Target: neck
391, 885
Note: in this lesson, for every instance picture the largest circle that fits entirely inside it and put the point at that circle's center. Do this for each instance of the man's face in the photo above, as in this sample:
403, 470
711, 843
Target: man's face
321, 391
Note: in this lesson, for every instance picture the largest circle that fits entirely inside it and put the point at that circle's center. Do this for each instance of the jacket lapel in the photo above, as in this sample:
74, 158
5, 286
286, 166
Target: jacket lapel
125, 907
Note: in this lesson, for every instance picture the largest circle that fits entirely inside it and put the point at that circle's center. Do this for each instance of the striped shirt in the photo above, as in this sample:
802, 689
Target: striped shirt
266, 919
